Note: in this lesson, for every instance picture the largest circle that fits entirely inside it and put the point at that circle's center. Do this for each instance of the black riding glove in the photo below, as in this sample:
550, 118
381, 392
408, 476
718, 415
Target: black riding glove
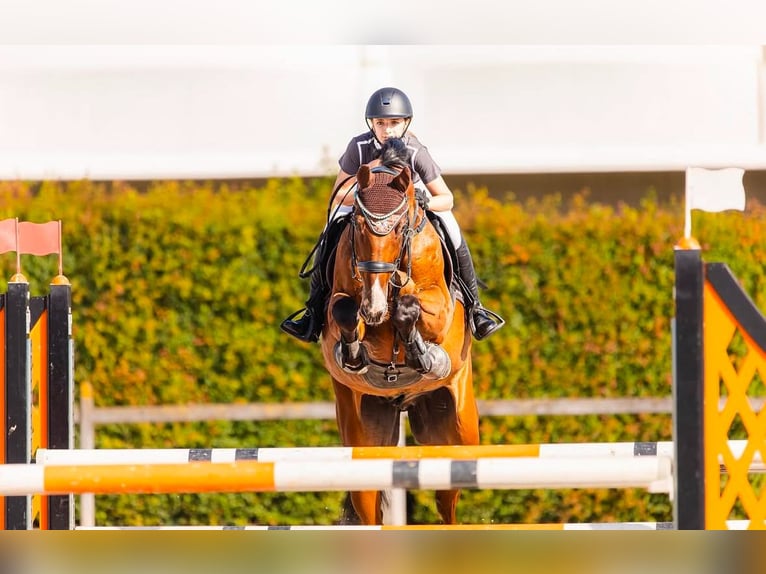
421, 196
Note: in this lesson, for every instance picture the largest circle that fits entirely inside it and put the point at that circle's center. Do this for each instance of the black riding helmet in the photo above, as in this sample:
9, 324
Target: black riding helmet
388, 103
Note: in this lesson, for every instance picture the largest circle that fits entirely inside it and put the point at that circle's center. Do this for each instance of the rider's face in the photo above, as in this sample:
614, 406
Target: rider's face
385, 128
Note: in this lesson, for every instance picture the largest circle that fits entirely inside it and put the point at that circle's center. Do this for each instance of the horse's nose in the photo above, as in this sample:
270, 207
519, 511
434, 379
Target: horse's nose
374, 305
372, 318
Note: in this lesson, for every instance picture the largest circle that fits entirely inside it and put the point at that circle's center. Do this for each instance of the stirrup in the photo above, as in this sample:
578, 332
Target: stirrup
498, 320
310, 336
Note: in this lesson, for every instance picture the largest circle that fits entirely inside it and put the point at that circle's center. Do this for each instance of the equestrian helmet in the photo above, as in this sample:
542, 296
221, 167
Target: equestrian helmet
388, 103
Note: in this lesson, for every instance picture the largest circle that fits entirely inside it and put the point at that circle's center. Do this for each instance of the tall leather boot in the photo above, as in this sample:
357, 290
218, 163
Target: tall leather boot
309, 326
483, 322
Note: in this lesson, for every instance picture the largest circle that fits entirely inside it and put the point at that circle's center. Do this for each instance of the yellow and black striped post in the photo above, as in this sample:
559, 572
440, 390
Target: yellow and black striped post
735, 364
719, 354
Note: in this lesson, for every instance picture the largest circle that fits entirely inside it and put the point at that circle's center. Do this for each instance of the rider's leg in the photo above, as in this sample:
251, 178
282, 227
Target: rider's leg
309, 325
483, 323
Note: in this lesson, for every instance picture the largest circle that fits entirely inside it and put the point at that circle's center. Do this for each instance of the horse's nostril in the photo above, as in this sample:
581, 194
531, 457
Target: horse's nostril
372, 318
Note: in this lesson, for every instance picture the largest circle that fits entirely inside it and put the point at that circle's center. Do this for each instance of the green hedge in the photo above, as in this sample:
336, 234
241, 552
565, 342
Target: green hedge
178, 290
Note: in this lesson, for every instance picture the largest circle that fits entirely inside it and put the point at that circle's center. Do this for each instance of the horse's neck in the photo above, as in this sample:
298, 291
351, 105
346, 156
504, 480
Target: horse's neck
425, 242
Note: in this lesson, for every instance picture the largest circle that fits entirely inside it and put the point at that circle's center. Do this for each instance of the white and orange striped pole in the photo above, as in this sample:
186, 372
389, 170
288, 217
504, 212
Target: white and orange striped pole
651, 472
455, 452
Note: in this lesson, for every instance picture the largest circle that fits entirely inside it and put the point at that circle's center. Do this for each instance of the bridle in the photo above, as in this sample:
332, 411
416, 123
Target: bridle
381, 225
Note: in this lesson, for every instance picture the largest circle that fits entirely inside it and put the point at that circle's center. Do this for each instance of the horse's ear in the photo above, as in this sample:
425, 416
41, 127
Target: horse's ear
363, 176
402, 181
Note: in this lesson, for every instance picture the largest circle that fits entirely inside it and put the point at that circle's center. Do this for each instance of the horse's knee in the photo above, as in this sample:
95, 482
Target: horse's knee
406, 314
345, 312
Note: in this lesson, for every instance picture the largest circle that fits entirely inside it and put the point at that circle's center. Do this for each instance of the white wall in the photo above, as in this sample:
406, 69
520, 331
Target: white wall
224, 111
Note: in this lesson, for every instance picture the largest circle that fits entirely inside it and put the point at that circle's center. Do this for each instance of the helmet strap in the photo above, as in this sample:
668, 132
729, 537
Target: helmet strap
407, 126
372, 131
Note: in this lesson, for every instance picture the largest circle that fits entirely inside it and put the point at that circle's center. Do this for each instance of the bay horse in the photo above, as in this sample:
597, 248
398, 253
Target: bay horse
396, 337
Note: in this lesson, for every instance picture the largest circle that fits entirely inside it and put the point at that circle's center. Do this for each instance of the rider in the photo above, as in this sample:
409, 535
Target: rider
388, 115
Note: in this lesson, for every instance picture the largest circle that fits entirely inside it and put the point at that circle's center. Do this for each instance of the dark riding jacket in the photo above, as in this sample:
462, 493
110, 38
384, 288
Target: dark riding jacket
364, 148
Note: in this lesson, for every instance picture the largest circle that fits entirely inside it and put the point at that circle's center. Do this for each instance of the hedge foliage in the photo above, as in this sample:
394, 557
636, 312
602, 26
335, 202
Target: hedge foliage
179, 287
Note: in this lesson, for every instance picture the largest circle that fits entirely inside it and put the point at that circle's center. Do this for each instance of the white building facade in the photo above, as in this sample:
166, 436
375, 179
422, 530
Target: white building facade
151, 112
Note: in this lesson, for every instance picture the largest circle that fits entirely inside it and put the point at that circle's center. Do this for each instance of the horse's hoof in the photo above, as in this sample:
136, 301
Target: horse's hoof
352, 370
358, 366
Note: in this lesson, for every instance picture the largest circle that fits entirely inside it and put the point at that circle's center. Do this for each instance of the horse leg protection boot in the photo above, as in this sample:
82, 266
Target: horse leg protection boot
483, 322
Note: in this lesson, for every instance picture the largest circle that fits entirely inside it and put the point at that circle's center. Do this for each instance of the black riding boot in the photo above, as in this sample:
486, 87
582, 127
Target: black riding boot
483, 322
309, 326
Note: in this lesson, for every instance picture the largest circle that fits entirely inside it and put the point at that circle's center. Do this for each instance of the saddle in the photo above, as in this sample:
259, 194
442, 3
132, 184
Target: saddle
451, 265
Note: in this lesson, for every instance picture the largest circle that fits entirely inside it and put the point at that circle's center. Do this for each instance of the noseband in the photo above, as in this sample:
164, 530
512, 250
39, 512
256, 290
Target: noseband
381, 225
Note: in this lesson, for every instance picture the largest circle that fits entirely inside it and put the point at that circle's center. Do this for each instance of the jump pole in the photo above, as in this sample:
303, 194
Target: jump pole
651, 472
455, 452
600, 526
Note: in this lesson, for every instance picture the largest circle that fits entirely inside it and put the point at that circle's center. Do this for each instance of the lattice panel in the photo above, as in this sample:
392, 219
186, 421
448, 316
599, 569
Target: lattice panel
735, 368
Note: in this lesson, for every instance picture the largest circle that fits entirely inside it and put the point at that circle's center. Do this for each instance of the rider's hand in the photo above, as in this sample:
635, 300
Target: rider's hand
422, 197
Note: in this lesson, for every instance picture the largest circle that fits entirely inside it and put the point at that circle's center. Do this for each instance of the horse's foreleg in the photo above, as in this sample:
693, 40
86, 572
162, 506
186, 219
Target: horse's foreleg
365, 420
447, 416
431, 360
349, 352
446, 505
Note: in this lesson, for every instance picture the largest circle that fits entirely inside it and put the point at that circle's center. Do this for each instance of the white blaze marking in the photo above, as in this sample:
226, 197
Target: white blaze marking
378, 300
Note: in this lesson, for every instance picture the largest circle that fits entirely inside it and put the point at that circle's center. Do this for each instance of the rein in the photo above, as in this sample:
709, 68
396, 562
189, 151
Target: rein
304, 273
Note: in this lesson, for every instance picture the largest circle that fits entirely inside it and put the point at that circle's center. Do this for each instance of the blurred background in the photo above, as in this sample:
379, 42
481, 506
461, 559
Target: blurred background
527, 118
153, 111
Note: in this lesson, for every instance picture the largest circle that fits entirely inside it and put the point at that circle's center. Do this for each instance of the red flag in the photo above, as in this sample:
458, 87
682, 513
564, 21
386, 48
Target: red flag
39, 238
7, 235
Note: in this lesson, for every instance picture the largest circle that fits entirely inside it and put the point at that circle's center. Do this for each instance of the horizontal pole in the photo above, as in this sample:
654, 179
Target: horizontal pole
652, 472
326, 410
275, 454
731, 524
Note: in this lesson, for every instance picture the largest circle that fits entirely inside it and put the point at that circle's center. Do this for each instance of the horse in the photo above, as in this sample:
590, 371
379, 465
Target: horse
396, 337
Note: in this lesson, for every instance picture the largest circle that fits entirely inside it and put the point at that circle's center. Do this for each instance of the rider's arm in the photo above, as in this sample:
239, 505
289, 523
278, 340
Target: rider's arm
441, 195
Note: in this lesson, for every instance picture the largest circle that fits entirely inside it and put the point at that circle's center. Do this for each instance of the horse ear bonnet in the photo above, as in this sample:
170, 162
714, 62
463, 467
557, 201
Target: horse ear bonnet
382, 195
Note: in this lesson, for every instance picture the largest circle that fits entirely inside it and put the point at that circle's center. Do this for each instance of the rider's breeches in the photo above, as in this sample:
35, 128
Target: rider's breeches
450, 224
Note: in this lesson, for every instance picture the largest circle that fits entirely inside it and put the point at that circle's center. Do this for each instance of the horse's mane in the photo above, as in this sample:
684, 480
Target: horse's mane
394, 153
